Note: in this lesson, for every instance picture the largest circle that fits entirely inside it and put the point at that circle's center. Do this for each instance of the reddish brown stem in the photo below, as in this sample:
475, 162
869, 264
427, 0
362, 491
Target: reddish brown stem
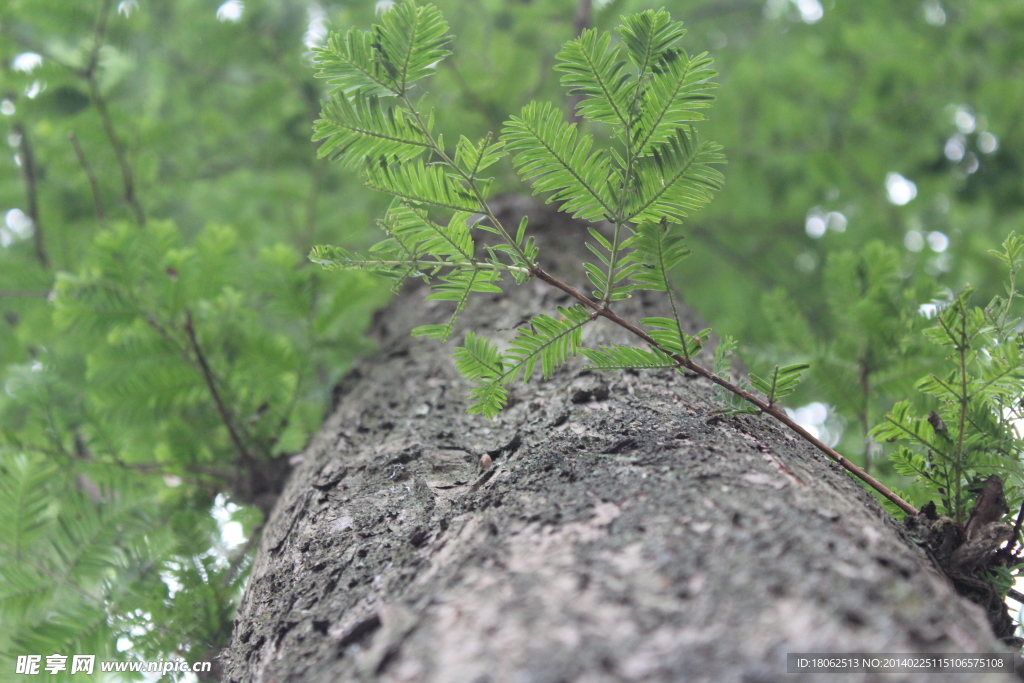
764, 407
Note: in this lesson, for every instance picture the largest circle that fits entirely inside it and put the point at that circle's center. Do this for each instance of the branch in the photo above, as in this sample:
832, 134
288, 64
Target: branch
89, 74
93, 183
28, 167
225, 414
126, 170
98, 34
24, 294
774, 411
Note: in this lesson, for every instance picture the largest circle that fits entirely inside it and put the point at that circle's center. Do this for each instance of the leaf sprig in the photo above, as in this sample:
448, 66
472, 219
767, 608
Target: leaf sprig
635, 191
972, 431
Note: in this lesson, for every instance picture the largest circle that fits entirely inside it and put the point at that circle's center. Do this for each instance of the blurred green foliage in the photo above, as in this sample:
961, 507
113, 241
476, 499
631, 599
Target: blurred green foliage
165, 347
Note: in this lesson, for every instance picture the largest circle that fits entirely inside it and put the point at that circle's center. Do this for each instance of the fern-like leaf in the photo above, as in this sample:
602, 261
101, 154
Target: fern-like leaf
598, 73
781, 382
475, 157
410, 41
419, 183
457, 286
901, 424
608, 277
478, 359
551, 341
674, 85
550, 154
673, 97
420, 235
676, 179
403, 48
24, 502
349, 63
353, 132
619, 357
650, 37
668, 335
392, 266
658, 249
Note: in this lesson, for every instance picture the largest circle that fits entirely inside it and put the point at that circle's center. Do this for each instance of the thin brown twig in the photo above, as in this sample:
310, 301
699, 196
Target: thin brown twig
770, 409
211, 385
89, 74
97, 200
127, 175
28, 169
98, 34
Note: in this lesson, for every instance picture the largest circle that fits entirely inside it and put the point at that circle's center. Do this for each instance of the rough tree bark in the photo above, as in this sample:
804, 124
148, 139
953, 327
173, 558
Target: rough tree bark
623, 533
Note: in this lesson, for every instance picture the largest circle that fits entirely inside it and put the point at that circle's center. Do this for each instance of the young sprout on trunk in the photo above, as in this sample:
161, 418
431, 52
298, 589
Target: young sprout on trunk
655, 172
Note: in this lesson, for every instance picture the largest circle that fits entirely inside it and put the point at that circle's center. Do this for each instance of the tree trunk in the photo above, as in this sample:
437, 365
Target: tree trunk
624, 531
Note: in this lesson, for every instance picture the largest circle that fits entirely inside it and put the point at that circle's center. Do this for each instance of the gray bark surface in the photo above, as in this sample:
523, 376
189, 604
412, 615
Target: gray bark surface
624, 533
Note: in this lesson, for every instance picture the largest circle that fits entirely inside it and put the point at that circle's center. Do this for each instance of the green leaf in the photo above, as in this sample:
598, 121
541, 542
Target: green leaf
782, 381
365, 129
457, 286
618, 356
420, 235
908, 463
349, 63
336, 258
676, 179
606, 278
668, 334
521, 232
551, 341
550, 155
657, 249
419, 183
649, 38
672, 98
403, 48
671, 86
478, 359
475, 157
597, 73
1012, 254
24, 502
724, 351
902, 425
416, 246
410, 41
